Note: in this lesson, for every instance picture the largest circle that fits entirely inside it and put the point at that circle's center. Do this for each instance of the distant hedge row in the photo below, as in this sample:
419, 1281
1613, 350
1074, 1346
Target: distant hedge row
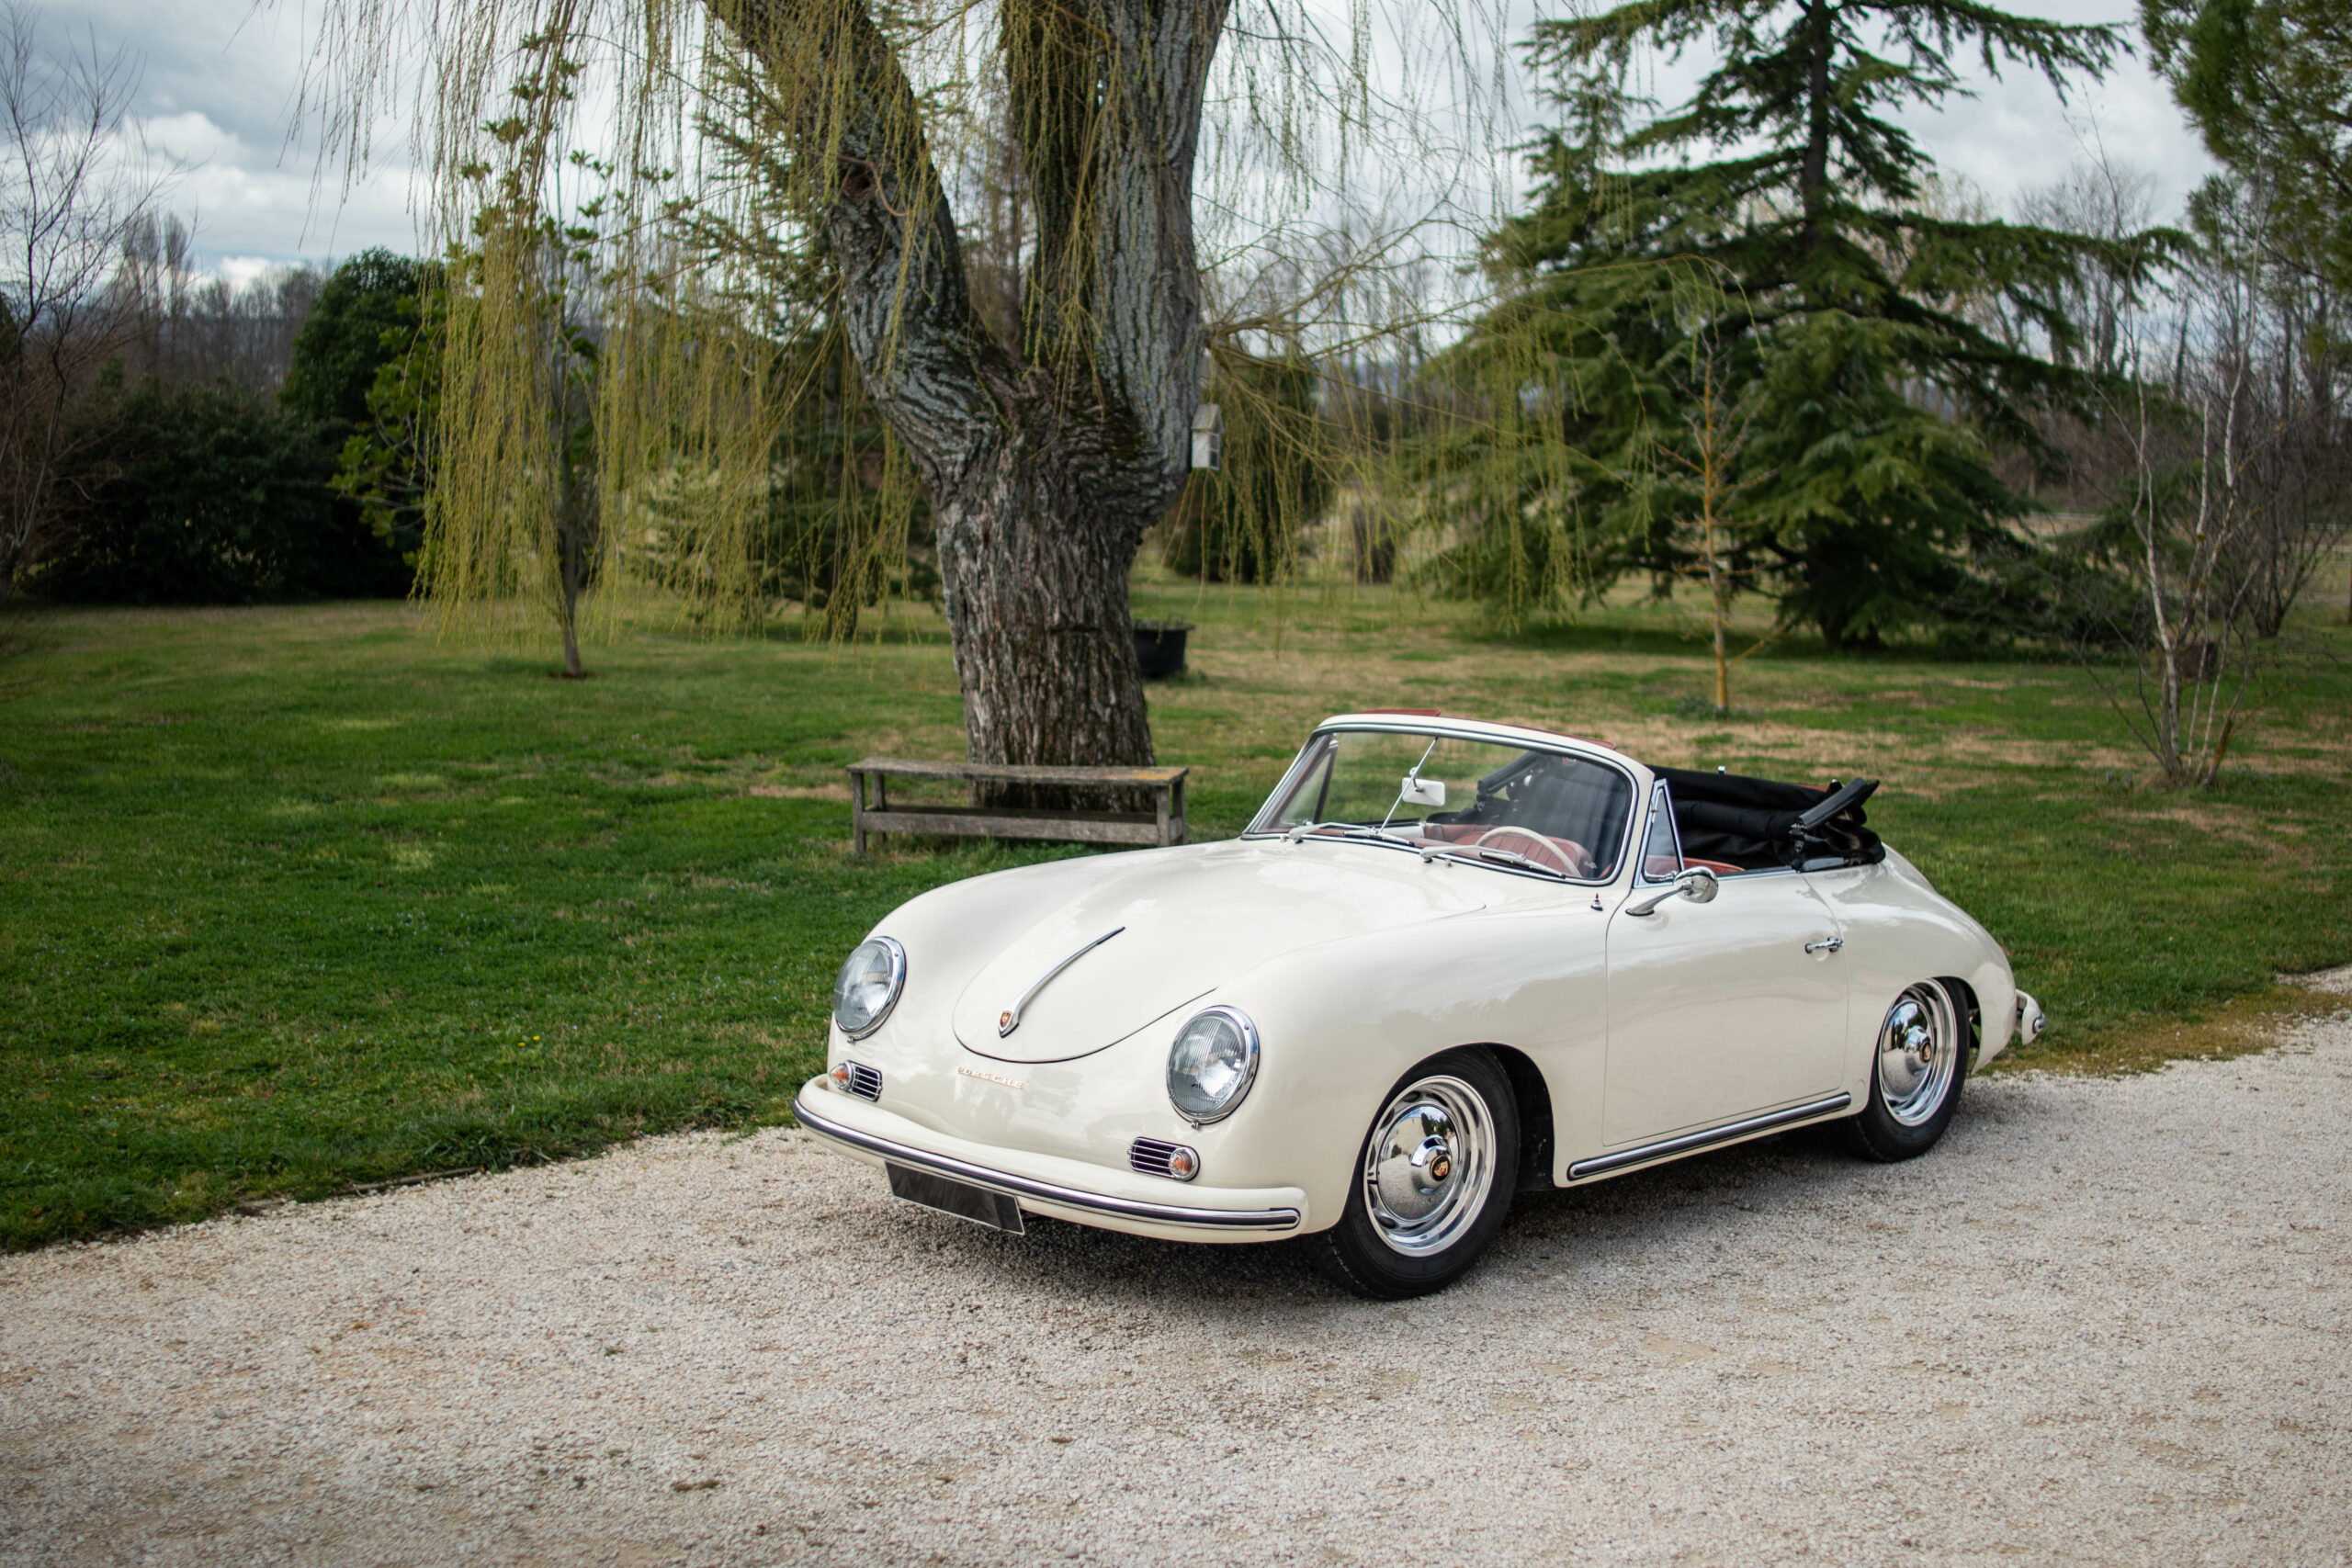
180, 488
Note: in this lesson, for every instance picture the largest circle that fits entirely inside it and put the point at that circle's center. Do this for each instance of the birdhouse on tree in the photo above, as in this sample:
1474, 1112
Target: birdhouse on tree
1208, 437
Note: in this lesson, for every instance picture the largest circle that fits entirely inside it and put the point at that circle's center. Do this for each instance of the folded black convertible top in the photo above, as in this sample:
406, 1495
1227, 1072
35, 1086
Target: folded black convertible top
1757, 823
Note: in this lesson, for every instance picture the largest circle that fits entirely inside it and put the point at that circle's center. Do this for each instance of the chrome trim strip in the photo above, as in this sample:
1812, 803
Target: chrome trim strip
1012, 1019
1052, 1192
1683, 1142
890, 944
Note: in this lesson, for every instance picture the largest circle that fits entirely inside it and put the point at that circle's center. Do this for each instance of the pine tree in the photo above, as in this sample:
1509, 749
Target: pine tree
2268, 83
1803, 254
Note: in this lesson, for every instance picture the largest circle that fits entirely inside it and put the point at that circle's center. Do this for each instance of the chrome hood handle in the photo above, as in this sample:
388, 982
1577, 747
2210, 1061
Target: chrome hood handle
1010, 1020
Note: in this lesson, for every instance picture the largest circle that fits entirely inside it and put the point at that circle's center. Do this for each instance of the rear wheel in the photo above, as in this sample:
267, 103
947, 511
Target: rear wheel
1917, 1070
1432, 1182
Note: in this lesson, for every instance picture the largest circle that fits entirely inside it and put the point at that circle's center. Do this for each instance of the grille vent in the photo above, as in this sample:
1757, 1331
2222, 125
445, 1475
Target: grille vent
1149, 1157
865, 1082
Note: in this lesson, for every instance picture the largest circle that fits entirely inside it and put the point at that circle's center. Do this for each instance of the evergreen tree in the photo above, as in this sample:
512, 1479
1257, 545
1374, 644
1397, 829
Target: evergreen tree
197, 493
2268, 83
386, 467
1805, 260
363, 318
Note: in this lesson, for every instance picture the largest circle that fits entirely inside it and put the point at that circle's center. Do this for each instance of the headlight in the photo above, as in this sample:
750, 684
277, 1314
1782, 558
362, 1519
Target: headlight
868, 986
1212, 1065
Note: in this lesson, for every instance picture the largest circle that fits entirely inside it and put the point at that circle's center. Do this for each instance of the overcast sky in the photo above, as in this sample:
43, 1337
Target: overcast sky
222, 79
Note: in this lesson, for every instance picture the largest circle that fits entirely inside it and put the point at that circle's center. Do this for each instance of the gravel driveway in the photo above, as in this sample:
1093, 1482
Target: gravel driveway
2106, 1322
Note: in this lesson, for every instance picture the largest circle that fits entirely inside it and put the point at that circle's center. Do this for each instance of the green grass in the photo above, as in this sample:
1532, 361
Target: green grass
293, 899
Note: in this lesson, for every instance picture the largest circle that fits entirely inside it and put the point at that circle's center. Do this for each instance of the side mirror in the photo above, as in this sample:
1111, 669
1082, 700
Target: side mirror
1697, 884
1418, 791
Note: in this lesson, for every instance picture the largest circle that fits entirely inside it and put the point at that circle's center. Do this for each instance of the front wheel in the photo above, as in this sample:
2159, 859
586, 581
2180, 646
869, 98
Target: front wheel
1432, 1182
1917, 1070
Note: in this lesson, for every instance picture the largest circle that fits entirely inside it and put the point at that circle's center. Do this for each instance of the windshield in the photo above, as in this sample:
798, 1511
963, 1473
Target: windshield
1564, 815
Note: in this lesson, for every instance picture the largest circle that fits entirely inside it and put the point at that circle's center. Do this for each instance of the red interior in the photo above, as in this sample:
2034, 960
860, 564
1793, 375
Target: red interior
1566, 854
1661, 866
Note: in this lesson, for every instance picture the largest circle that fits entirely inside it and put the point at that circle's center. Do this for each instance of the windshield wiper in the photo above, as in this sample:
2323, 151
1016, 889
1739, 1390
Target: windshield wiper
1345, 831
1432, 852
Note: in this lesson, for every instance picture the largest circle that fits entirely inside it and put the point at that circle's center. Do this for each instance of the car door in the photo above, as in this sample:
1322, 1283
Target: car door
1720, 1010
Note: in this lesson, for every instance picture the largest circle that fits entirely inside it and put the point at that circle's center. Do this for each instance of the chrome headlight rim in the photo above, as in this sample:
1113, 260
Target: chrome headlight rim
1251, 1054
898, 961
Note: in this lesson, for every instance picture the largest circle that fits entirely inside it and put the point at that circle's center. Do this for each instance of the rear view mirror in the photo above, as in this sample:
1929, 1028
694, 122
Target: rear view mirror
1418, 791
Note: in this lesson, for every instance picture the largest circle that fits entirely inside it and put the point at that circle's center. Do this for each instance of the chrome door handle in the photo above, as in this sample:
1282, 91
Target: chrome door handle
1826, 944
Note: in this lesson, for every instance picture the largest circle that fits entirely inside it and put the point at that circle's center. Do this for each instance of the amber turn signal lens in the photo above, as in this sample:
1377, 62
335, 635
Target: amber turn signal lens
1184, 1165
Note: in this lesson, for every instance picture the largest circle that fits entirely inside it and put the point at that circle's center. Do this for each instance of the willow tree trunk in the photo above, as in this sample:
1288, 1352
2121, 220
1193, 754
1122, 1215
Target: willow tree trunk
1045, 460
1036, 587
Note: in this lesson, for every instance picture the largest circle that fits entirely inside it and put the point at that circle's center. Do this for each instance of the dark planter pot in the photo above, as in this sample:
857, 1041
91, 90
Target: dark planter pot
1159, 647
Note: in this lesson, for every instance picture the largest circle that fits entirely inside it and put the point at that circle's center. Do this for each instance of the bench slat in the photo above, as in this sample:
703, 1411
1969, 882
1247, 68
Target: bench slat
1163, 825
1005, 772
972, 821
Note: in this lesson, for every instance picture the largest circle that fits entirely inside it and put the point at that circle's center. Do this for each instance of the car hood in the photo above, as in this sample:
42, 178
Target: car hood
1188, 923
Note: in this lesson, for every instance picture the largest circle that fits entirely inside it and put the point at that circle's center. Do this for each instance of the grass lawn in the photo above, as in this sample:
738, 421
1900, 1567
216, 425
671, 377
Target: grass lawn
296, 898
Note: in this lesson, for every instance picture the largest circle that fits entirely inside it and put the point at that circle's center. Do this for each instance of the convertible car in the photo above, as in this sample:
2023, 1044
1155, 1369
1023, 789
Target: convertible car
1449, 961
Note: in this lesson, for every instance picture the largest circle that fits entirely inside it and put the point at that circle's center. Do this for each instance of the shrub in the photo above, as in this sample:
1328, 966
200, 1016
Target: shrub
206, 495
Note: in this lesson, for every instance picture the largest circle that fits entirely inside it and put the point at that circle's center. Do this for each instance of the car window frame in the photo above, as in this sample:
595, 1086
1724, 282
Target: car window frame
1661, 800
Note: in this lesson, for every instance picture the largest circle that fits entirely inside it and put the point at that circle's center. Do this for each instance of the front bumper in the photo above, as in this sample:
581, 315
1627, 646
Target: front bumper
1050, 1185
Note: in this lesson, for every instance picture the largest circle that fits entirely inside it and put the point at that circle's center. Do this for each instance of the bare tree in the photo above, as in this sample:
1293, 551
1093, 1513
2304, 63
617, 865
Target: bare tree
67, 192
2191, 436
2291, 338
1703, 467
2106, 199
185, 326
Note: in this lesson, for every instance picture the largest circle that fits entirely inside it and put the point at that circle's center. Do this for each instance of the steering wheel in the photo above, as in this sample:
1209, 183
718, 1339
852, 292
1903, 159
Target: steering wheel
1539, 849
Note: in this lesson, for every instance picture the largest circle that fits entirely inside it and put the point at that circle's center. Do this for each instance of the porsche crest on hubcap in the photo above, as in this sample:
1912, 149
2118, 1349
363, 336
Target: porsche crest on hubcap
1429, 1166
1919, 1047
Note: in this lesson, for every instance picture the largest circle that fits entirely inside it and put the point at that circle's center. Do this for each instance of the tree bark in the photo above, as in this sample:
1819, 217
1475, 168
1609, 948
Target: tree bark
1813, 178
1045, 461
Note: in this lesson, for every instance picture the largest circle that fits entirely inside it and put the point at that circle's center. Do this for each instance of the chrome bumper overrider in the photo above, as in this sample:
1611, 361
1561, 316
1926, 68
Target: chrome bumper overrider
1055, 1193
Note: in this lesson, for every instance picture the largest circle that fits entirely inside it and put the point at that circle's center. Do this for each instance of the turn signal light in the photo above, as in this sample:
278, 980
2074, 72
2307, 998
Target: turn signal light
1153, 1156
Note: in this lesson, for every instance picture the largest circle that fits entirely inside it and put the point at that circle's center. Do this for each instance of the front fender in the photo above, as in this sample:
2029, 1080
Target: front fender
1343, 1022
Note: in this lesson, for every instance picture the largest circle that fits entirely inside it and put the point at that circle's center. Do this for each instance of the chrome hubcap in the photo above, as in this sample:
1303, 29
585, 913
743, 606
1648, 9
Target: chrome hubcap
1430, 1165
1918, 1053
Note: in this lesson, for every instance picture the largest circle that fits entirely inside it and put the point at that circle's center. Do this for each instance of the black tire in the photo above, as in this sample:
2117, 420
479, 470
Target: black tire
1906, 1118
1411, 1255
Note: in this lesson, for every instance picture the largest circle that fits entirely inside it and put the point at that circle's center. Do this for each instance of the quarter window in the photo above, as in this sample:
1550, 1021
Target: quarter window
1662, 845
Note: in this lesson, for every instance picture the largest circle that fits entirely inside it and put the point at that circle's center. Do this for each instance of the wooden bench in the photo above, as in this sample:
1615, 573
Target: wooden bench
1164, 825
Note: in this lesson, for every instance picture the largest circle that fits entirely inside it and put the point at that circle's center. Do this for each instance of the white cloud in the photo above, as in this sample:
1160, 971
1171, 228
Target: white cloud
255, 202
2015, 135
242, 270
217, 95
223, 81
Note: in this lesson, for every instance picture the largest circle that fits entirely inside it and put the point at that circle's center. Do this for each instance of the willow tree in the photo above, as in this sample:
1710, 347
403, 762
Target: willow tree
1048, 423
1047, 461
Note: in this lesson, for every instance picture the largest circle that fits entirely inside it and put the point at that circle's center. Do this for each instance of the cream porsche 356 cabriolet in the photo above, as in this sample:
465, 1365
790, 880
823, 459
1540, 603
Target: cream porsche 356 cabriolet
1449, 961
